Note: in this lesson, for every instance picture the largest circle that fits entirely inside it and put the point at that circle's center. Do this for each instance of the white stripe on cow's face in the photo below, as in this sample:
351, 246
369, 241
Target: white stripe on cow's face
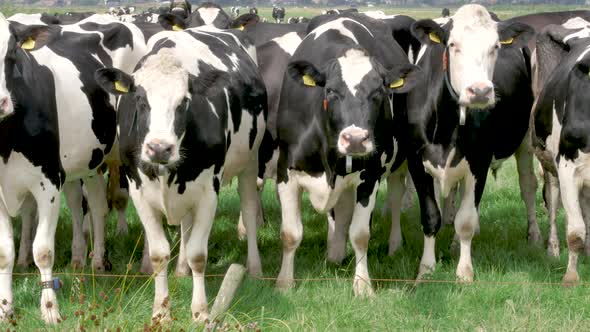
6, 105
473, 50
165, 82
208, 14
354, 65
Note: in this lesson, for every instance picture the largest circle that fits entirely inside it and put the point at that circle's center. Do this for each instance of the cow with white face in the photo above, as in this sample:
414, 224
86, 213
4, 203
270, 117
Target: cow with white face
57, 127
479, 85
197, 93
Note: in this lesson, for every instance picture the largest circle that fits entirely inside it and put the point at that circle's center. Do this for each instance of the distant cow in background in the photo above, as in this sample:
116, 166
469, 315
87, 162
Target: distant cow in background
278, 14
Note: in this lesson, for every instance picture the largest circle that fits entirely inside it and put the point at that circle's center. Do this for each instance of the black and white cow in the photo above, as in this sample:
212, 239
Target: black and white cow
197, 93
560, 128
49, 99
340, 120
278, 14
479, 85
181, 8
253, 10
207, 14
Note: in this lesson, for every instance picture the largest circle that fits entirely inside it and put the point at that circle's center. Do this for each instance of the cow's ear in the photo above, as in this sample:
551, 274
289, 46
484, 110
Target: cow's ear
33, 37
208, 83
243, 21
514, 34
172, 22
429, 32
306, 74
402, 79
113, 81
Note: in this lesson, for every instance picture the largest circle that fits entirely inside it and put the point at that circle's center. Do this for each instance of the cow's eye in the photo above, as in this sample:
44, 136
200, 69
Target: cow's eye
451, 45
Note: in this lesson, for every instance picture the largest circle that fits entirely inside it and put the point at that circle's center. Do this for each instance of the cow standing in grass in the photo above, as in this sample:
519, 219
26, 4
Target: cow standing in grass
191, 118
479, 86
57, 127
340, 125
560, 127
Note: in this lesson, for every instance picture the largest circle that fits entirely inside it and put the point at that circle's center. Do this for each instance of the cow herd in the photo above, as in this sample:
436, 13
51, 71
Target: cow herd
175, 105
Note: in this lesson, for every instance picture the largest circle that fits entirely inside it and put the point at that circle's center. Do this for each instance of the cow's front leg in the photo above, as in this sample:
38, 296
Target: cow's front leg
359, 237
528, 187
48, 205
96, 190
466, 223
182, 267
6, 264
551, 194
291, 229
569, 186
159, 254
196, 251
338, 221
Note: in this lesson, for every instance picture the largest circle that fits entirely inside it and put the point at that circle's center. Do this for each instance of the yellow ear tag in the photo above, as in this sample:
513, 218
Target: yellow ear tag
241, 28
120, 87
507, 41
307, 80
434, 37
397, 84
176, 27
28, 44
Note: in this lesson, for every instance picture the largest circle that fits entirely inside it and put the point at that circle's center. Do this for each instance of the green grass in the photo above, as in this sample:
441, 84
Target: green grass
507, 294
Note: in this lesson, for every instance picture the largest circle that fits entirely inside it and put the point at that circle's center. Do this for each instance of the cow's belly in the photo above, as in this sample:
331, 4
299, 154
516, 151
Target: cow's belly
166, 200
321, 195
448, 176
17, 178
239, 154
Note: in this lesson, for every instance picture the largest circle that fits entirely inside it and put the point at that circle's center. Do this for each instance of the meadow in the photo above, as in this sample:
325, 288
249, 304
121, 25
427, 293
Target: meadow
517, 286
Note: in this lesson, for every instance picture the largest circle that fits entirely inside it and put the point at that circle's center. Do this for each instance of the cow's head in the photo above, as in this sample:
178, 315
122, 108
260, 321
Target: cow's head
472, 39
14, 41
356, 89
156, 100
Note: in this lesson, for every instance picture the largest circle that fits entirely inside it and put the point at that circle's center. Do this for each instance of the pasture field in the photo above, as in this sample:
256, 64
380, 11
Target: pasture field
517, 286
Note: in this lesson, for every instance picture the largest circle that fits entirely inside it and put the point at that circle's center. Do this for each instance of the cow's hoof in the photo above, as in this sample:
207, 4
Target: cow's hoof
200, 316
362, 288
465, 274
162, 317
424, 271
553, 249
98, 265
50, 312
23, 266
571, 278
336, 255
285, 284
395, 246
255, 270
5, 310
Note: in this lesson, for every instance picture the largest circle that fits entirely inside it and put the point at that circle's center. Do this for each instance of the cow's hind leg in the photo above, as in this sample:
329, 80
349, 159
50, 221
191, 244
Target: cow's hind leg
48, 204
73, 193
551, 194
196, 250
585, 204
28, 224
146, 263
249, 199
576, 230
338, 222
291, 229
6, 264
396, 186
96, 190
528, 188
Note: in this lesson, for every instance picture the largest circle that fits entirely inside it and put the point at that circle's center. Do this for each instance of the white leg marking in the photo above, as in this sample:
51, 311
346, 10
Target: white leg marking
466, 223
182, 267
570, 187
6, 264
428, 261
291, 229
196, 251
